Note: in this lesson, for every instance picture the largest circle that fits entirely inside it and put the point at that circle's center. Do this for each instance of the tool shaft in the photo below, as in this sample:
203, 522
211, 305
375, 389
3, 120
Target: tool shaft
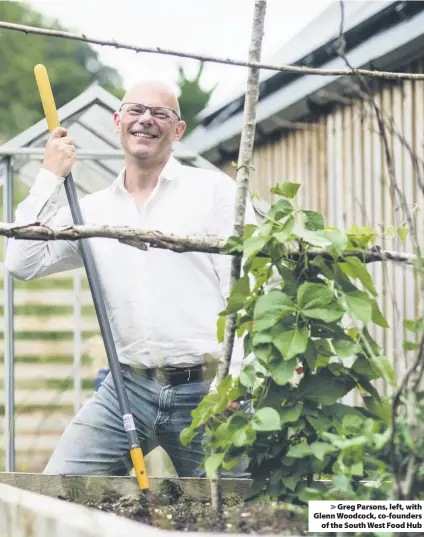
52, 118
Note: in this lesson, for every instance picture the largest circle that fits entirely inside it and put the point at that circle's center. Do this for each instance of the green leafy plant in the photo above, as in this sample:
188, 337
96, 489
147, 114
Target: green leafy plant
303, 313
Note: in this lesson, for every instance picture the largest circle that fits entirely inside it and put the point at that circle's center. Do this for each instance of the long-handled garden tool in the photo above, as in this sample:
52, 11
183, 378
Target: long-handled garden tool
137, 458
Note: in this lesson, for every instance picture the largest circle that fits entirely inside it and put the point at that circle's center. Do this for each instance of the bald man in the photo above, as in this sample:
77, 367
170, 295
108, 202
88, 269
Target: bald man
162, 306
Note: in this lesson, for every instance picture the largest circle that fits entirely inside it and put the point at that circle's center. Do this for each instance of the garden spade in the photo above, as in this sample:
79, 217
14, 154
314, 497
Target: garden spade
137, 458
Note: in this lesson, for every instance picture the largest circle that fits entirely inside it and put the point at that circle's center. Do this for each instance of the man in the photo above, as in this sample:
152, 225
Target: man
162, 305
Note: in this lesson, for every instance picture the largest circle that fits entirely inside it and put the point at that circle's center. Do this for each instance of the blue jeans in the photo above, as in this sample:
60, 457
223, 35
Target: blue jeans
95, 442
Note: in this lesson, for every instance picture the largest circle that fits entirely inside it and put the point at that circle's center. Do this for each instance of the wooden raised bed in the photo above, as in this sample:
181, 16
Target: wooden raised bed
37, 505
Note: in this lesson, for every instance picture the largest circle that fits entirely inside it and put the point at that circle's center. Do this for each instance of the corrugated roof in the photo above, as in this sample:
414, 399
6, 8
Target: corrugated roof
320, 31
378, 34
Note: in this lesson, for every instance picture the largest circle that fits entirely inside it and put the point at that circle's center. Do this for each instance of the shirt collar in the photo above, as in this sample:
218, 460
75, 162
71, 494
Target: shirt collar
171, 170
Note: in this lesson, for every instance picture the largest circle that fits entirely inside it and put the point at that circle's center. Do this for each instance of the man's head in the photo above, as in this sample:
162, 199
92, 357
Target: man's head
148, 133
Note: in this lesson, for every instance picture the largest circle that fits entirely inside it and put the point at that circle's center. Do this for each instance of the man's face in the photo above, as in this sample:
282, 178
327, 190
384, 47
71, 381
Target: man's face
148, 133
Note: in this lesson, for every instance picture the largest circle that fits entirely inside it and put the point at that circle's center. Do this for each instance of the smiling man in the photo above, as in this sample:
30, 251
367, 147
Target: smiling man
162, 306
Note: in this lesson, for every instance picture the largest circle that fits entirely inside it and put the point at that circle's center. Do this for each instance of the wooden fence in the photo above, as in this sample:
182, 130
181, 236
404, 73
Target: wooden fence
339, 160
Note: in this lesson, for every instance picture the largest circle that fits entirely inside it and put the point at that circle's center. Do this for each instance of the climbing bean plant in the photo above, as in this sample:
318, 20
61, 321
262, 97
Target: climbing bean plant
307, 345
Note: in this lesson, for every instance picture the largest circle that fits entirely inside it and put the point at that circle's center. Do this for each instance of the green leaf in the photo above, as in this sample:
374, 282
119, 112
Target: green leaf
290, 343
285, 231
333, 312
382, 409
253, 245
314, 238
319, 424
314, 220
212, 463
290, 415
309, 493
259, 338
415, 325
357, 468
244, 437
313, 295
345, 348
338, 239
248, 231
248, 376
270, 308
282, 371
341, 482
353, 267
280, 209
403, 233
317, 301
266, 419
187, 435
233, 245
238, 295
291, 481
286, 189
410, 345
385, 364
377, 316
359, 306
220, 328
299, 451
311, 355
365, 367
320, 449
324, 387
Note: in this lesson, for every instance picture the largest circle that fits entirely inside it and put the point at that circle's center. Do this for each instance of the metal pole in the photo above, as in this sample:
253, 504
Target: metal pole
9, 343
77, 341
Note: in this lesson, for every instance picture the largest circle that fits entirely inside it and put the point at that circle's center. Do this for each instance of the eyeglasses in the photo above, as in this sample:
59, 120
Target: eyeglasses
158, 112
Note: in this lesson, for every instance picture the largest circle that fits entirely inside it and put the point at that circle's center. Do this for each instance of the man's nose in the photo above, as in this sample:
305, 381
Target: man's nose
146, 117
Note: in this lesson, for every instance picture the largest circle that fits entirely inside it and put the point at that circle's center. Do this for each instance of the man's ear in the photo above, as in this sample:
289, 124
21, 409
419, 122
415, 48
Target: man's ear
117, 122
179, 131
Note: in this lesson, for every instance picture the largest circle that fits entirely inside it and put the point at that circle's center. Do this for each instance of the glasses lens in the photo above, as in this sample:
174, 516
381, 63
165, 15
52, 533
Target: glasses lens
162, 113
136, 109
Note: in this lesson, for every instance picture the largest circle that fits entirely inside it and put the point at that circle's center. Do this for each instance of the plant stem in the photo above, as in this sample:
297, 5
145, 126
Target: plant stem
242, 190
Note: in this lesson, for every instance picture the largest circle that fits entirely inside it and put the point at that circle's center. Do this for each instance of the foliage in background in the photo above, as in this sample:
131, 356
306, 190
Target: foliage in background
192, 98
73, 66
307, 346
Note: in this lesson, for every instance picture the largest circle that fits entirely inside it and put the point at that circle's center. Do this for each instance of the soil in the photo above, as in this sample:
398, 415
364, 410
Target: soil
167, 510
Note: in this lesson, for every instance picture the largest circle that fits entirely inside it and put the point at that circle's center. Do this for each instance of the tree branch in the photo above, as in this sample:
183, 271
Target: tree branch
210, 244
302, 70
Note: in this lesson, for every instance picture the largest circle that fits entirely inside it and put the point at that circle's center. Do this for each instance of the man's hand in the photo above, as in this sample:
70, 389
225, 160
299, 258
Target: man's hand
59, 155
233, 405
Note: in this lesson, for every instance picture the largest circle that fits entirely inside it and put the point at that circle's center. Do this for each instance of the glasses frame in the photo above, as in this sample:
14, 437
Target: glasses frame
150, 108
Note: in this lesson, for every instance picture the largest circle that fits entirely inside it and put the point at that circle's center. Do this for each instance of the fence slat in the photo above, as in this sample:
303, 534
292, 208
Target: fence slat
46, 348
39, 323
42, 372
48, 297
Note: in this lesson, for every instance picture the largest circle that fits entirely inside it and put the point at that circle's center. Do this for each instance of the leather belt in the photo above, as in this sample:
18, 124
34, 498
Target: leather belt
172, 375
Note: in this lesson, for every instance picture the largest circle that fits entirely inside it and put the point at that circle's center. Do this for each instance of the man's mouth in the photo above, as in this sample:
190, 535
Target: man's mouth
144, 135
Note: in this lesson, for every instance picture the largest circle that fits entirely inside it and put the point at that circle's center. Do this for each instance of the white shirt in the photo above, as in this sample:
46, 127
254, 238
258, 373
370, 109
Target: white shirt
163, 306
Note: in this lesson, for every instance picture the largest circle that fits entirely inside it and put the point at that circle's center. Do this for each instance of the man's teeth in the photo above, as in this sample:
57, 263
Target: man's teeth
143, 135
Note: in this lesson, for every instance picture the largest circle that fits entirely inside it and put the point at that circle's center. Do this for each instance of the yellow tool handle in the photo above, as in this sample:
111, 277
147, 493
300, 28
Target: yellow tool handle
46, 96
140, 468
